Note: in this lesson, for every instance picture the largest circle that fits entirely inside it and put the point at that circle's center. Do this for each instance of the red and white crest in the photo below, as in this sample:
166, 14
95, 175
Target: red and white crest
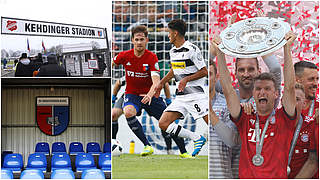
12, 25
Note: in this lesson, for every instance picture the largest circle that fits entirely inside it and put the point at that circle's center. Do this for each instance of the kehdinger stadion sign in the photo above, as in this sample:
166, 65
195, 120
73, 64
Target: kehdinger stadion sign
53, 114
16, 26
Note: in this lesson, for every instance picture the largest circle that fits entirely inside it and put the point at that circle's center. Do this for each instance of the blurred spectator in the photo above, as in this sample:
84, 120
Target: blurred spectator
50, 68
102, 66
5, 63
24, 67
151, 21
121, 17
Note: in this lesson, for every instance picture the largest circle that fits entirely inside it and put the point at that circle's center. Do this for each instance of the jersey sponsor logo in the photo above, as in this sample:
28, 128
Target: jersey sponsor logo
52, 114
252, 135
153, 133
304, 137
128, 64
178, 65
137, 74
145, 67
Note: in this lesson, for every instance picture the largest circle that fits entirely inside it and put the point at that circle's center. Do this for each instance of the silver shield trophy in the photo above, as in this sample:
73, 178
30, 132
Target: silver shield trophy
254, 37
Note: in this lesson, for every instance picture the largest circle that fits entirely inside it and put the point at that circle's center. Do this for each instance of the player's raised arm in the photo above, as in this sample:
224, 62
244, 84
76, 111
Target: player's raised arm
289, 98
233, 101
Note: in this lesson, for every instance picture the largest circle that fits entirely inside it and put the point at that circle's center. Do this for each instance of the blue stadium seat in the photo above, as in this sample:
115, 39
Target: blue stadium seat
93, 148
3, 154
6, 174
32, 174
92, 174
84, 161
13, 162
37, 161
62, 174
60, 161
58, 147
107, 147
43, 147
75, 148
105, 162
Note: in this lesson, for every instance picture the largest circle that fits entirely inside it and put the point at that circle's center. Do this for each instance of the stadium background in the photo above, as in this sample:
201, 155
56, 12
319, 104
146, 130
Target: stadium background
155, 15
89, 120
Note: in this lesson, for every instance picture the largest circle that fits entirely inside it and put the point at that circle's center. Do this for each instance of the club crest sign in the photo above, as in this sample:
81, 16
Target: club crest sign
53, 114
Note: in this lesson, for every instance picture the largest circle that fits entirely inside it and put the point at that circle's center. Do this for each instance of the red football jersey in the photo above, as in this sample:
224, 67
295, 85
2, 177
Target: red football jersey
315, 145
316, 106
138, 70
275, 149
303, 146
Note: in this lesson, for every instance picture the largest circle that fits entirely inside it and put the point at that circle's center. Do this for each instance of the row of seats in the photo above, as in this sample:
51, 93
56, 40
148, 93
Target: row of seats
74, 148
83, 161
56, 174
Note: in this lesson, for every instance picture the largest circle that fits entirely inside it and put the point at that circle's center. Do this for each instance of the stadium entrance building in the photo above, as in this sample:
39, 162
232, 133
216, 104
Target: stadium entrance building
83, 60
54, 110
97, 61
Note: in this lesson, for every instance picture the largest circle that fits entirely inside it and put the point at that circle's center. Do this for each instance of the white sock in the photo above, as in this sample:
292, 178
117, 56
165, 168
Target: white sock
178, 130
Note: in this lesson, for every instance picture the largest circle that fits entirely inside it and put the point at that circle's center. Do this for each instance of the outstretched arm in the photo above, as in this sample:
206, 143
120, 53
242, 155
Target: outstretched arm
289, 97
229, 92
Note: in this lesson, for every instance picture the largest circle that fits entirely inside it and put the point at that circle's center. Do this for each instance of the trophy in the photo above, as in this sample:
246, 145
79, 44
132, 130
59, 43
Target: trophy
254, 37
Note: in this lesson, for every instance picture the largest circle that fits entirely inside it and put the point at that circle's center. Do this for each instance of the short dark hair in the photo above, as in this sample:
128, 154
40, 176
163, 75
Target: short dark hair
237, 60
301, 65
212, 63
178, 25
139, 29
266, 76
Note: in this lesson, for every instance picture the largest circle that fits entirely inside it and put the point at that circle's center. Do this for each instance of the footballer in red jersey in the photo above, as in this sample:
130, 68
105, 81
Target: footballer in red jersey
142, 73
304, 140
307, 74
265, 135
138, 70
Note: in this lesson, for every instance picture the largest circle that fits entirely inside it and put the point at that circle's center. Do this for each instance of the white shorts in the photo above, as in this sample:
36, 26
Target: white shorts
198, 107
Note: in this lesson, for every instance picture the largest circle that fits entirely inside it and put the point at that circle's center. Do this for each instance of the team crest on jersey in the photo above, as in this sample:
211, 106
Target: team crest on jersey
308, 119
128, 64
145, 67
178, 65
304, 138
52, 114
252, 121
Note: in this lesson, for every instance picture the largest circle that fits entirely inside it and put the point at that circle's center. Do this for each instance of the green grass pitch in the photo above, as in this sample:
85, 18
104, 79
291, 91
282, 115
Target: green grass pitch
133, 166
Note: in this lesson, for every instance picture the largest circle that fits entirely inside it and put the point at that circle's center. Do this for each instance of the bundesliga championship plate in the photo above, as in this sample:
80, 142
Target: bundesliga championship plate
254, 37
